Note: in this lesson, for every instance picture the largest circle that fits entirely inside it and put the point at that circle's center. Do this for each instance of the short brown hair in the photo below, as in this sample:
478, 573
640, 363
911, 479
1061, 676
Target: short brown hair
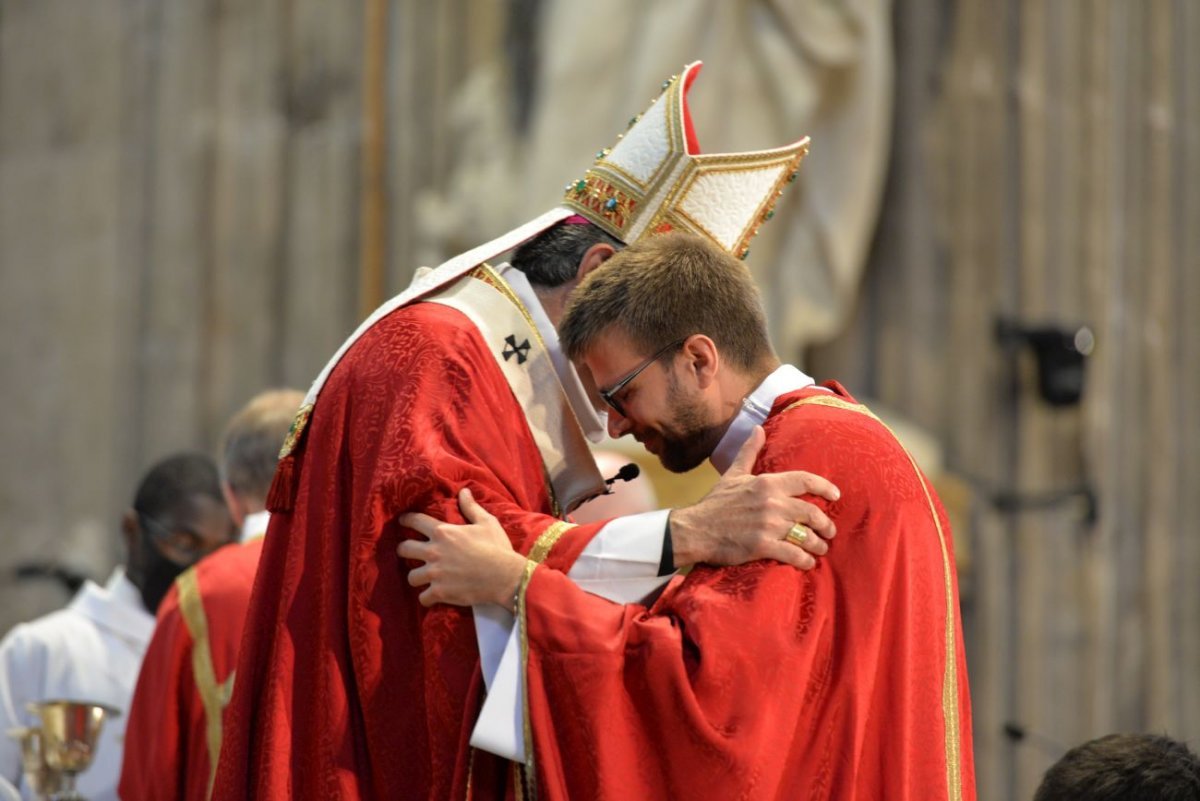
666, 288
251, 443
1124, 767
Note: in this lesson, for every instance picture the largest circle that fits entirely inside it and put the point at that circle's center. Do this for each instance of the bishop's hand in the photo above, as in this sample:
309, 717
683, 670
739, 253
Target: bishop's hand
746, 517
466, 564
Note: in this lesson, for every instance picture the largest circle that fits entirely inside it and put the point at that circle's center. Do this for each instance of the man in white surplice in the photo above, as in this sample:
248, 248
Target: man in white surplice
92, 650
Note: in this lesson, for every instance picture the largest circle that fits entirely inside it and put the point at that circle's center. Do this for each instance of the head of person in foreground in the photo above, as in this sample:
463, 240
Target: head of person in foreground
673, 333
1124, 767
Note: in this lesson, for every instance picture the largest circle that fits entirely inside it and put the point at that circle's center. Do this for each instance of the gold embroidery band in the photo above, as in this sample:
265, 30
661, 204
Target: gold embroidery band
518, 785
950, 677
213, 695
294, 433
486, 273
537, 554
522, 622
470, 770
547, 540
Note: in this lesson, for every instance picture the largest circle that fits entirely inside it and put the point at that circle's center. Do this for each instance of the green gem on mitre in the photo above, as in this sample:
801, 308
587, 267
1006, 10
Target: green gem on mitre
580, 185
770, 213
633, 120
792, 177
602, 153
745, 252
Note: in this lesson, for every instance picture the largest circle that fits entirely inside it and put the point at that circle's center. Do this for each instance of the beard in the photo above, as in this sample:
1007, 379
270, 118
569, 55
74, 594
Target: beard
691, 437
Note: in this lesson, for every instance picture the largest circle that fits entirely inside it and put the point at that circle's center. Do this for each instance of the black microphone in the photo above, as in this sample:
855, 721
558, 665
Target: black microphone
627, 473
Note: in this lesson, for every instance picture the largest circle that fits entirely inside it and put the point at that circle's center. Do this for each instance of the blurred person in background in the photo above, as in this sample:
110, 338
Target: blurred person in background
91, 650
1124, 767
174, 731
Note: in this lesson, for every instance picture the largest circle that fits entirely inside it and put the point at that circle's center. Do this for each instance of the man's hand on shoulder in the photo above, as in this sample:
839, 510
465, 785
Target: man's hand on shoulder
466, 564
747, 517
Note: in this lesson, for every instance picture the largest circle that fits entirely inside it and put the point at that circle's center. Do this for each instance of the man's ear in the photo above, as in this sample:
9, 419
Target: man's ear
237, 509
703, 359
596, 255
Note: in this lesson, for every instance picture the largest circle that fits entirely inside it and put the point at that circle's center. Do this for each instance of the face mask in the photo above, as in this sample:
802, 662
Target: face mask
154, 574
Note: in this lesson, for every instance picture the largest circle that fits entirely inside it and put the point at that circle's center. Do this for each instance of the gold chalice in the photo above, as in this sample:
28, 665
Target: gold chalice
70, 730
41, 778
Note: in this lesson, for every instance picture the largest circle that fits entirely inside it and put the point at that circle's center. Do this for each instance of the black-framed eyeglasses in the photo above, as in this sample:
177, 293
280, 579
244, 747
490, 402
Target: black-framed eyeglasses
184, 542
610, 395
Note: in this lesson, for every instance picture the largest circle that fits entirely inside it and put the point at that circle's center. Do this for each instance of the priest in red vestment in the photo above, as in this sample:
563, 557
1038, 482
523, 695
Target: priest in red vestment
752, 682
347, 686
175, 721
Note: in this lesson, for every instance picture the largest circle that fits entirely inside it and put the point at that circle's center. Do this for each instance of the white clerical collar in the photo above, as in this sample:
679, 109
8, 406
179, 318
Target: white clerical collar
754, 411
254, 526
591, 420
116, 606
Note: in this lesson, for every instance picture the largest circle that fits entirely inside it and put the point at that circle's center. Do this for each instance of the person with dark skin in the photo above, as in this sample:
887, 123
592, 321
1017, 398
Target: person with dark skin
175, 722
1124, 767
173, 523
92, 650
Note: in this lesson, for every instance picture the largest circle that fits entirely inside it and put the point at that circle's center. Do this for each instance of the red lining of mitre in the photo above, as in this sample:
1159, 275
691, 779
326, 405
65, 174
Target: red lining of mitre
693, 146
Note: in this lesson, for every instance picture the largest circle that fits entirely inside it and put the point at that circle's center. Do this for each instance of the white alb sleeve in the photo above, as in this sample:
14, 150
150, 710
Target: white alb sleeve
620, 563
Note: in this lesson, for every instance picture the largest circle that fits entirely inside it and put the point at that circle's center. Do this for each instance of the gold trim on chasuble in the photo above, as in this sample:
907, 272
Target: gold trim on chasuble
950, 711
214, 695
537, 554
488, 302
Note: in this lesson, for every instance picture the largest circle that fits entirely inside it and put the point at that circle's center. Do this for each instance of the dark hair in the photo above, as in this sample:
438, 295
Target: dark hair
666, 288
552, 257
1124, 767
251, 443
170, 484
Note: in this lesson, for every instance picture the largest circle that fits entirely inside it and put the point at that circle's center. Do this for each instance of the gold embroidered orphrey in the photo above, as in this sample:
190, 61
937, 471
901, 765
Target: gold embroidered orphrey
214, 695
950, 710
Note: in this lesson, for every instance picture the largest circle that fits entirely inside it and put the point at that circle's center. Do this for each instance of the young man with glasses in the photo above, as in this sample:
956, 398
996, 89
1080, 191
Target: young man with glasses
348, 686
756, 681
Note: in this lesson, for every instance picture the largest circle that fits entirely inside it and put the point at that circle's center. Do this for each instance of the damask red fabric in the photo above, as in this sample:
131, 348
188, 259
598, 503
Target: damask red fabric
166, 746
761, 681
347, 687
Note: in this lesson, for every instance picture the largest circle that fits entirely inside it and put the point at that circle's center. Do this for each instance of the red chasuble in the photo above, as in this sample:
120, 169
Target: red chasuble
347, 687
174, 731
761, 681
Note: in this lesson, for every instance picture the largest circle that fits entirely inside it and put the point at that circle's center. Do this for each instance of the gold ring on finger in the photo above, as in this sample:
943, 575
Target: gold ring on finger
797, 534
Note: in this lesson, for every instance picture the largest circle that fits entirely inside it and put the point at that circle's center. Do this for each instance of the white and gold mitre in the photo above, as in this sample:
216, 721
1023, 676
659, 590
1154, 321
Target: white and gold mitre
655, 179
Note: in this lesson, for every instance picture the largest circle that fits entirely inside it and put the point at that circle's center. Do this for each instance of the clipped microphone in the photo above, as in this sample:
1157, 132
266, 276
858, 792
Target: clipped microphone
627, 473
